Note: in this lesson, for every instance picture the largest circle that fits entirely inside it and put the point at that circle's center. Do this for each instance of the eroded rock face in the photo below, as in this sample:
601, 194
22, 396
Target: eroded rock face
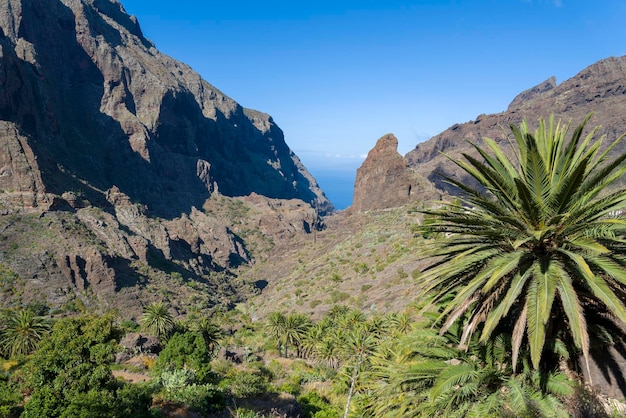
119, 165
87, 97
385, 180
599, 88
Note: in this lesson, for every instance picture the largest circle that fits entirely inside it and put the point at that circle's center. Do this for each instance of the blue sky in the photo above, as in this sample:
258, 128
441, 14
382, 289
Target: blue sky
337, 75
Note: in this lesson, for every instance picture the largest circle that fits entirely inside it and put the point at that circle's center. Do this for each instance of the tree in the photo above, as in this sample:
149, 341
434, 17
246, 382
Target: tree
22, 331
424, 375
296, 327
157, 320
69, 374
210, 331
359, 344
186, 350
540, 249
275, 327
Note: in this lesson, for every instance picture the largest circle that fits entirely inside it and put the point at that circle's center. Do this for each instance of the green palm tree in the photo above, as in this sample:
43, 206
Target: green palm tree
424, 375
210, 331
296, 327
275, 326
22, 331
541, 248
157, 320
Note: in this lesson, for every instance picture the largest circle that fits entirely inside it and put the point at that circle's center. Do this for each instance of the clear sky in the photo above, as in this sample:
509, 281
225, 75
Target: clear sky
338, 74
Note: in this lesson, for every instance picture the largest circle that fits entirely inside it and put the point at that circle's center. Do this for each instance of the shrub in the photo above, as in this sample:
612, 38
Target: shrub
244, 384
185, 350
314, 406
180, 386
10, 400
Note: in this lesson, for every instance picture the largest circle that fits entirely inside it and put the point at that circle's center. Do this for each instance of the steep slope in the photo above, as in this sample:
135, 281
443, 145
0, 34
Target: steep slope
600, 88
364, 254
140, 167
88, 99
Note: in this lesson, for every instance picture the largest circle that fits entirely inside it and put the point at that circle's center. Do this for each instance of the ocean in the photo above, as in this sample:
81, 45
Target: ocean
338, 185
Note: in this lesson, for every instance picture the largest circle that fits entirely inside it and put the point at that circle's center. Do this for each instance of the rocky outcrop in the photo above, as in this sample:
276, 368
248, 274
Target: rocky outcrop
385, 180
124, 176
533, 93
600, 88
89, 103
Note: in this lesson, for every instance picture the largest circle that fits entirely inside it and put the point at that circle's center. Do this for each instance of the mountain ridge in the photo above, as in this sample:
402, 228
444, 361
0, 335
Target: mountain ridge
124, 176
599, 89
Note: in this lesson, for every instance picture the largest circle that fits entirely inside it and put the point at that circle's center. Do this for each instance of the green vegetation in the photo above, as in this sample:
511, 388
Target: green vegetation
157, 320
541, 253
527, 276
21, 331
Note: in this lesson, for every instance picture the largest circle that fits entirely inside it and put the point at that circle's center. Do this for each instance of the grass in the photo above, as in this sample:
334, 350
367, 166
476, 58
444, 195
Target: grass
377, 247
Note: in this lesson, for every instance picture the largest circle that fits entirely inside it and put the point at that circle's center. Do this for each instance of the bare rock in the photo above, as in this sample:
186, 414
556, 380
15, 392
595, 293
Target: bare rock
385, 180
115, 149
532, 93
139, 343
599, 88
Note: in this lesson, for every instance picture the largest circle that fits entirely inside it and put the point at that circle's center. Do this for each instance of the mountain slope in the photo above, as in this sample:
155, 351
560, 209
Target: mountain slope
599, 88
88, 99
124, 176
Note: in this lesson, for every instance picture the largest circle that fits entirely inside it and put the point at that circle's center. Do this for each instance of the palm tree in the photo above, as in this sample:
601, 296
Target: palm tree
296, 327
275, 327
157, 320
359, 343
210, 331
541, 249
22, 331
424, 375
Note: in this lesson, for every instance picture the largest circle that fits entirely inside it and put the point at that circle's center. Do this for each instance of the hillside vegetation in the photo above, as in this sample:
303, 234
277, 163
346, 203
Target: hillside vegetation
520, 298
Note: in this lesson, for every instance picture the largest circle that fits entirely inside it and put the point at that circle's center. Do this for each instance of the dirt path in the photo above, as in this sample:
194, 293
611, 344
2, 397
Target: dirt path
130, 377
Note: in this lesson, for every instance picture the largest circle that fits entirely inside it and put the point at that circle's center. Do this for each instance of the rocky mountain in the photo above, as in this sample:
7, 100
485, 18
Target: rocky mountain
385, 180
599, 88
120, 166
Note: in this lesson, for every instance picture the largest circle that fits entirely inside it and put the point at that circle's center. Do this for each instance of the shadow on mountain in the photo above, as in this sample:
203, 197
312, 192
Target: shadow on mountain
57, 99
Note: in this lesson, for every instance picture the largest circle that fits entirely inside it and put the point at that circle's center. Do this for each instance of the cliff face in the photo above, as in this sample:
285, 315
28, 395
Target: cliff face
385, 180
121, 168
88, 103
600, 88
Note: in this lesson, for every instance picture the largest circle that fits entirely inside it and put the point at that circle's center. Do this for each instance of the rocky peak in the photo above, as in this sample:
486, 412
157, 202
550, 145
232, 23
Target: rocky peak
129, 168
385, 180
599, 88
533, 92
92, 104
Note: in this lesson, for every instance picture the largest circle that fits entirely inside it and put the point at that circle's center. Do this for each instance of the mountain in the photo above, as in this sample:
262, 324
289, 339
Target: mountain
387, 180
368, 255
599, 88
120, 166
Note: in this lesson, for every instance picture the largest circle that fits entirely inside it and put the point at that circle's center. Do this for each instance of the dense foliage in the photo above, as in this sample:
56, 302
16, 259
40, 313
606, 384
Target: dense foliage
528, 274
541, 250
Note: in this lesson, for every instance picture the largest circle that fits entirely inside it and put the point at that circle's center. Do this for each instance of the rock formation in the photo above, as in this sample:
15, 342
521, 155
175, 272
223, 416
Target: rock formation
89, 104
121, 168
600, 88
385, 180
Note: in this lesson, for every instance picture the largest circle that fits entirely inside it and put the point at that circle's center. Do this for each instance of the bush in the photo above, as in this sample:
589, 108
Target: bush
314, 406
290, 387
244, 384
180, 386
10, 399
69, 374
185, 350
128, 325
